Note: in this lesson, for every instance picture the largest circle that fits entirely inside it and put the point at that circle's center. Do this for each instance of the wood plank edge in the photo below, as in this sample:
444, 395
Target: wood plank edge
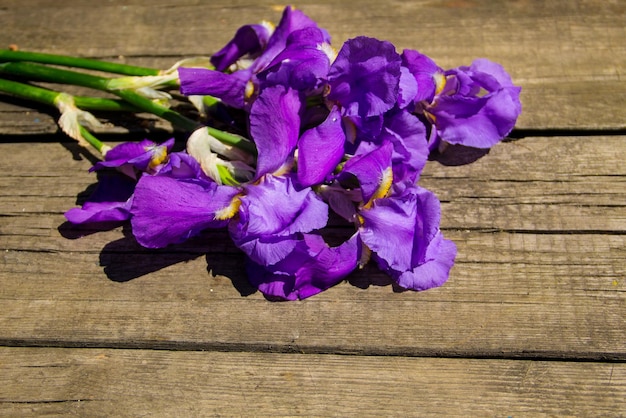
292, 348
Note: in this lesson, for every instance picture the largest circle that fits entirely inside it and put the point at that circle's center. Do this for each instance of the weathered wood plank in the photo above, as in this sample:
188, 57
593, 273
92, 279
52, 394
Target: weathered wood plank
97, 382
568, 56
510, 295
553, 285
558, 184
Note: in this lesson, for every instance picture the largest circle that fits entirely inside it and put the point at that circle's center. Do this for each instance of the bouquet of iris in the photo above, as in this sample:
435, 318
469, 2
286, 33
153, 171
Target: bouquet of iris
294, 134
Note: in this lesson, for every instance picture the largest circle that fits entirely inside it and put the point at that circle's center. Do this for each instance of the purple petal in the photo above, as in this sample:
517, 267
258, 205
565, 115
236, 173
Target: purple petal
310, 268
291, 21
371, 169
182, 166
410, 147
169, 211
403, 232
389, 229
424, 71
230, 88
270, 215
133, 157
407, 89
365, 76
435, 269
249, 39
275, 127
320, 149
479, 108
477, 122
110, 202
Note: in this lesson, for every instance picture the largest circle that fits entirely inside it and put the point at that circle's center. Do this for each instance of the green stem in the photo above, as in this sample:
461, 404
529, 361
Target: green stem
49, 97
26, 91
105, 105
56, 75
45, 96
166, 113
53, 75
68, 61
93, 141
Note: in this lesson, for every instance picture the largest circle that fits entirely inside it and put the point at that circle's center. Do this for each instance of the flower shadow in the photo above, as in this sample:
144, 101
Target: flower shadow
455, 155
124, 259
370, 275
230, 266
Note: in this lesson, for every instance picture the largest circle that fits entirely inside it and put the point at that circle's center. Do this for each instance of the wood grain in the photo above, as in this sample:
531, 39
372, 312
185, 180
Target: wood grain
531, 323
567, 56
98, 382
539, 224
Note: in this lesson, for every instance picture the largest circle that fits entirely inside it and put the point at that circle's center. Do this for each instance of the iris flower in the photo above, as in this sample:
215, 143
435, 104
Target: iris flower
112, 199
344, 133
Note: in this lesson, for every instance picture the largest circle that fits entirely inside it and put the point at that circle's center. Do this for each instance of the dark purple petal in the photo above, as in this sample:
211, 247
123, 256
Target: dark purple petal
480, 108
302, 64
248, 40
364, 78
272, 212
320, 149
169, 211
110, 201
133, 157
372, 170
292, 20
435, 269
403, 233
310, 268
230, 88
275, 127
181, 165
410, 147
360, 129
407, 89
425, 72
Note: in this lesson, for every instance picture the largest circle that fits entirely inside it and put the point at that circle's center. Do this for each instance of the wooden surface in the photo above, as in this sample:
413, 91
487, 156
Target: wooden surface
531, 323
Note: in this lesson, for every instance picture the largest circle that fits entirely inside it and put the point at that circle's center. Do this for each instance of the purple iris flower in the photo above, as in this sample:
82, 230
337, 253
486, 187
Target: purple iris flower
364, 78
110, 202
249, 40
112, 199
291, 21
402, 231
475, 106
272, 216
302, 65
478, 106
235, 88
399, 223
311, 267
134, 158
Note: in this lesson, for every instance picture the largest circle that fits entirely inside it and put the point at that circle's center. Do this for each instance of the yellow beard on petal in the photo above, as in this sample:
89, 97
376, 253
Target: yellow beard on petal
229, 211
159, 154
383, 187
